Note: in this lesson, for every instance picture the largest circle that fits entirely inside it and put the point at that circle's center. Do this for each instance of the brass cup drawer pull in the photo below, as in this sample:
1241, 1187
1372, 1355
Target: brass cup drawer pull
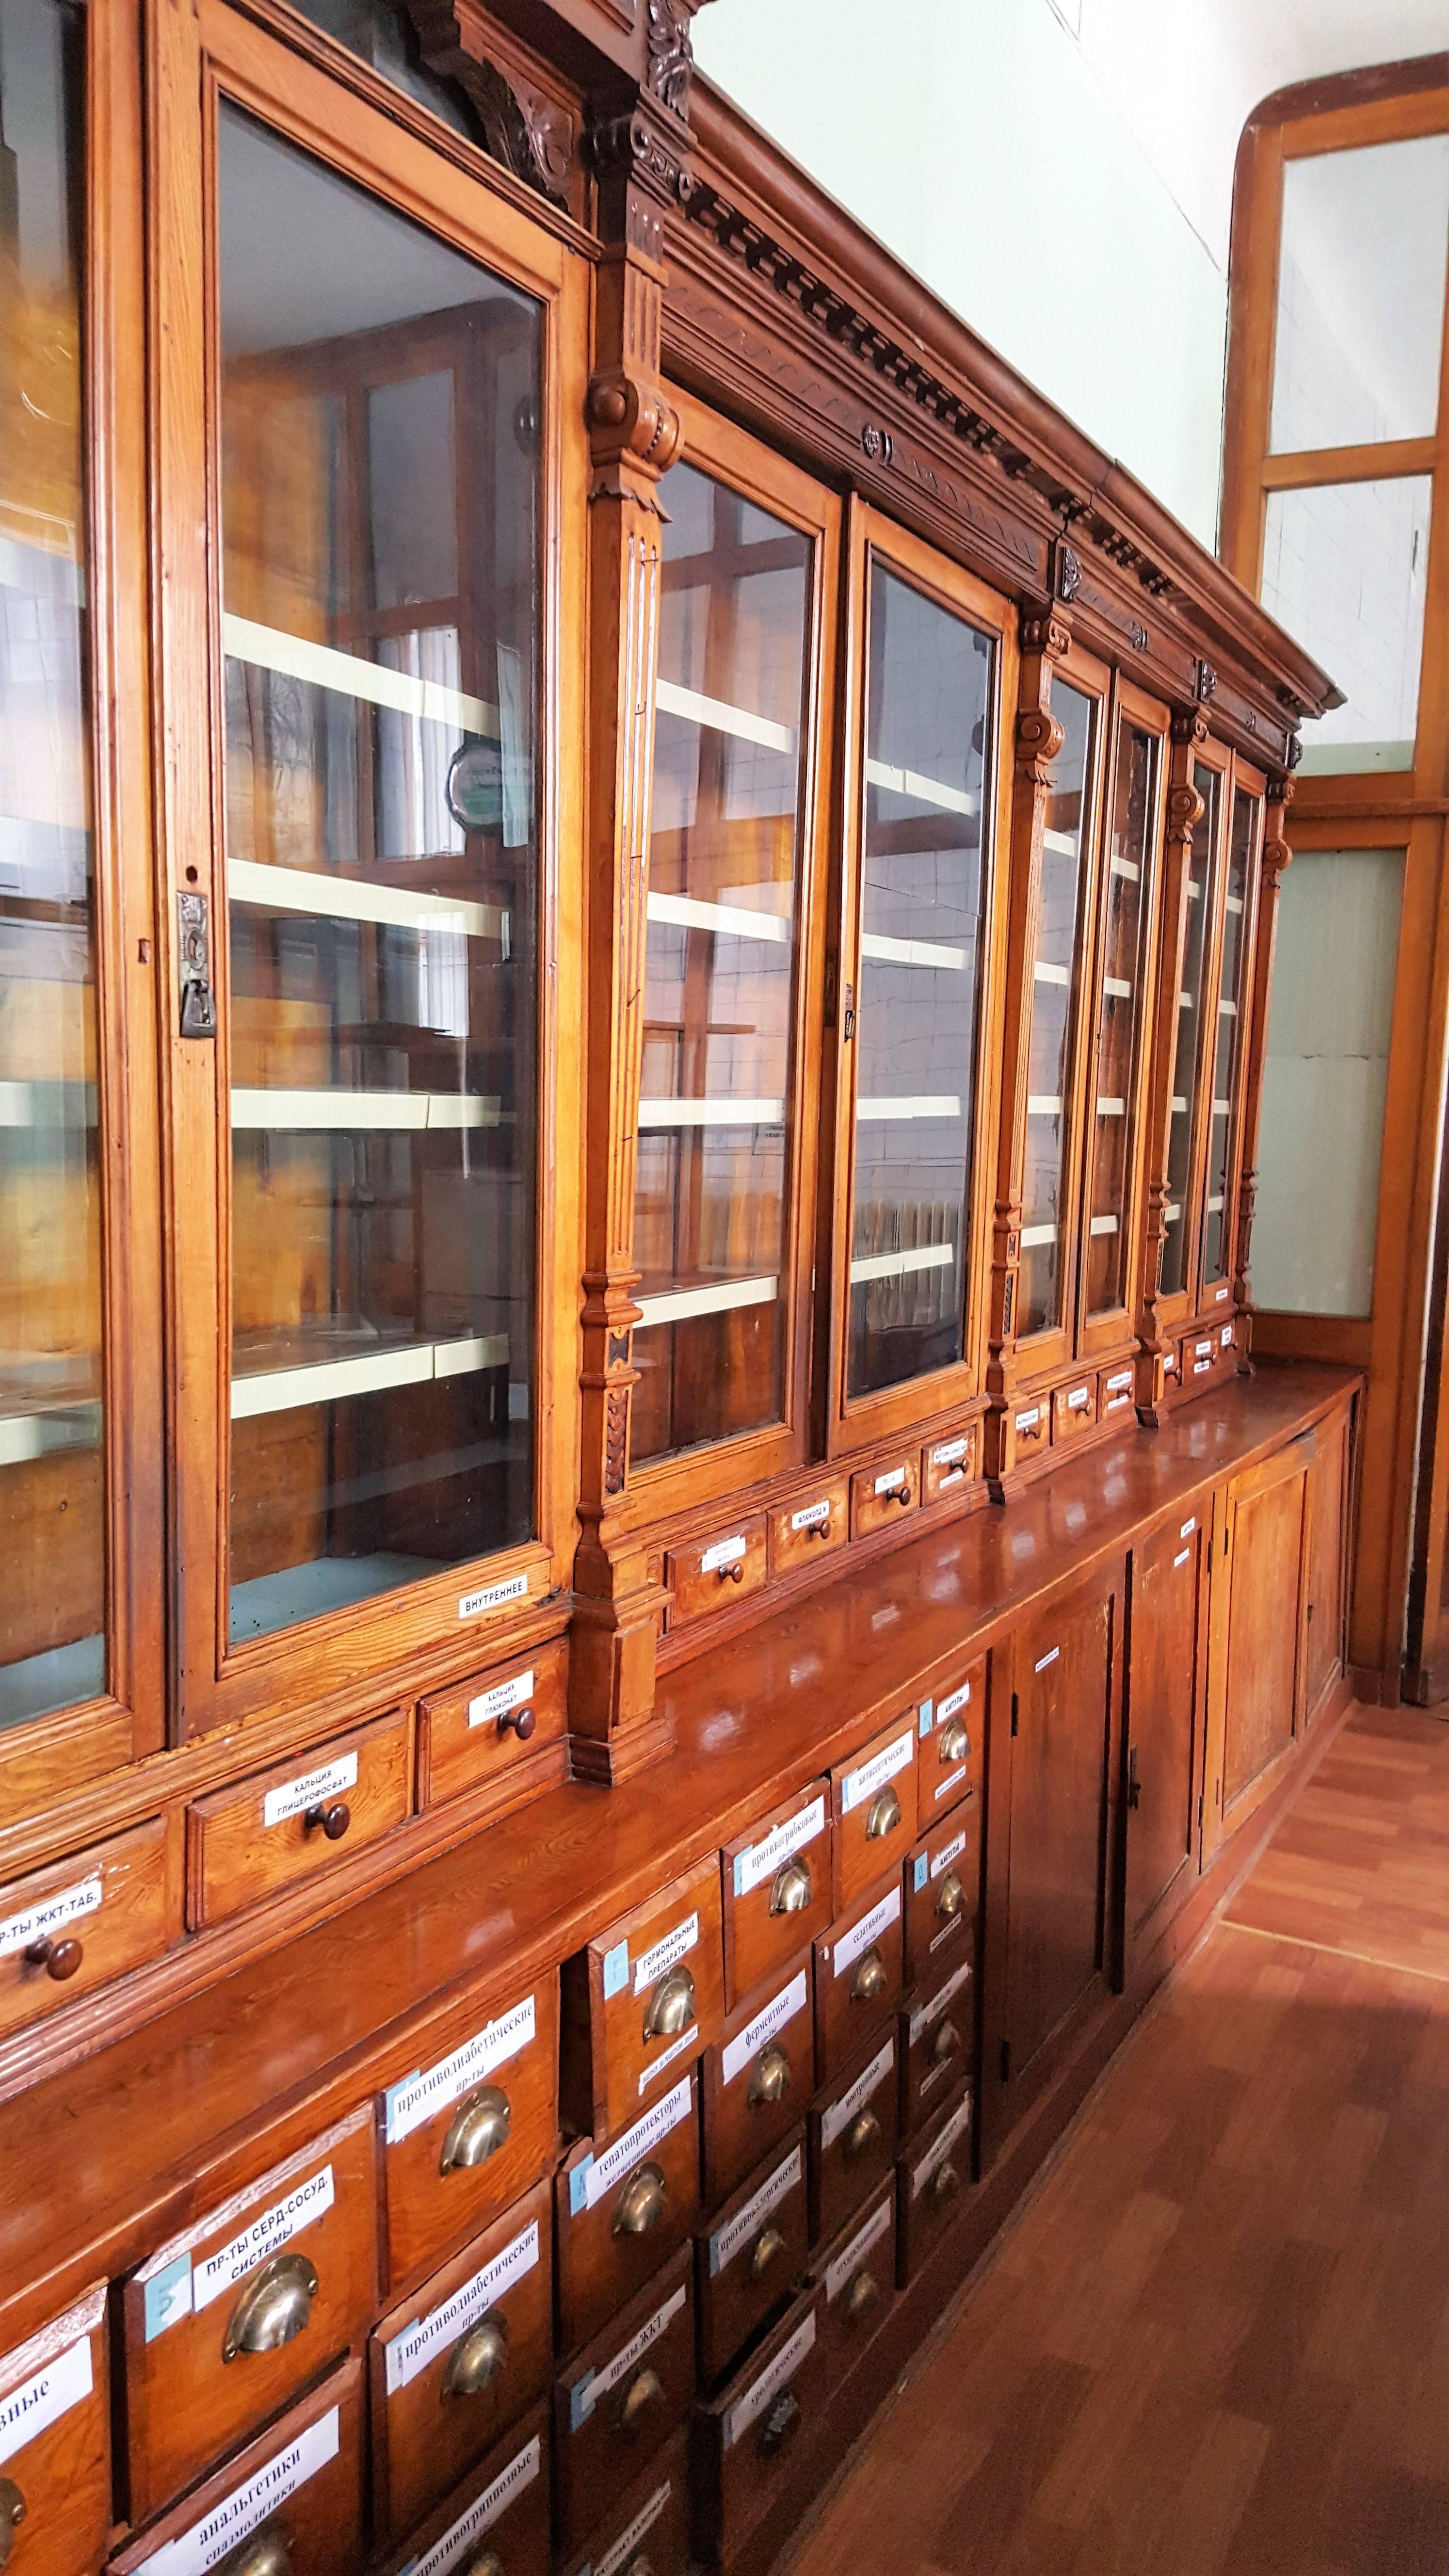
793, 1888
954, 1744
862, 2134
644, 2392
944, 2184
332, 1820
769, 2246
267, 2553
59, 1959
12, 2514
862, 2295
770, 2081
521, 1720
483, 2562
479, 2359
952, 1897
884, 1816
478, 2128
869, 1980
641, 2202
671, 2006
273, 2309
945, 2043
781, 2421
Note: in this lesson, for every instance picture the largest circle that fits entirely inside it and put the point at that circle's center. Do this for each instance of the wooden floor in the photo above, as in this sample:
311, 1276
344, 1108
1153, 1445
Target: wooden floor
1218, 2337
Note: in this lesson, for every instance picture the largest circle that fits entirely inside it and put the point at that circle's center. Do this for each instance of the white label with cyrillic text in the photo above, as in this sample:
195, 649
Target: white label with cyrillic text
410, 2352
859, 1785
846, 2265
841, 2113
958, 2121
726, 2243
41, 2401
237, 2516
784, 2366
814, 1516
958, 1699
600, 2382
642, 2524
1029, 1421
949, 1851
493, 1596
275, 2228
767, 2025
652, 2073
41, 1922
295, 1796
1116, 1384
725, 1551
948, 1452
411, 2103
490, 1705
448, 2552
891, 1481
921, 2021
666, 1954
763, 1858
604, 2171
870, 1927
1078, 1397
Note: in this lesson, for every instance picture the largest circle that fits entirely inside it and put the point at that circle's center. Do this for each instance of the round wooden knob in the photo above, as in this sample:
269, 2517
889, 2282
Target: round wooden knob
522, 1720
903, 1493
333, 1821
732, 1574
59, 1959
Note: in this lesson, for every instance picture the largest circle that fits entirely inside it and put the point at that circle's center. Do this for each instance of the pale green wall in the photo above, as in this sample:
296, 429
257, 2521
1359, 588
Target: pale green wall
972, 137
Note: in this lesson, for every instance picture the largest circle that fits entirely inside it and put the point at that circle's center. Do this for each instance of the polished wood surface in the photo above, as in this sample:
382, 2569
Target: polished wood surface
770, 2040
286, 1824
649, 2525
62, 2470
620, 2404
321, 2518
751, 2256
86, 1919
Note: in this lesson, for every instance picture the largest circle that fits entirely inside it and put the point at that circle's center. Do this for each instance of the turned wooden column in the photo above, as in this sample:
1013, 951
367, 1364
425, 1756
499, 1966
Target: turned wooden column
1185, 810
1277, 857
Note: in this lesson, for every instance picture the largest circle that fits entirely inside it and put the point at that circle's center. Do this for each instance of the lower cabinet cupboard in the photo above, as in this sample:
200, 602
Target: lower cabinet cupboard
751, 2257
623, 2212
621, 2402
1166, 1669
646, 2531
499, 2514
745, 2440
295, 2494
55, 2446
1258, 1659
857, 2273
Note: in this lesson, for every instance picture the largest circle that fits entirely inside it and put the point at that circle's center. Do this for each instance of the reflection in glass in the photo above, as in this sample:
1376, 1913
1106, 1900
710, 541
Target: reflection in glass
1055, 968
52, 1481
931, 692
1345, 569
1230, 1035
380, 518
1182, 1125
1131, 857
717, 1091
1361, 295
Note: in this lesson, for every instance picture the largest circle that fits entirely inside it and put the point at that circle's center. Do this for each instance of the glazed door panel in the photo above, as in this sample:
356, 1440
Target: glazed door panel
1260, 1570
1122, 1022
1164, 1734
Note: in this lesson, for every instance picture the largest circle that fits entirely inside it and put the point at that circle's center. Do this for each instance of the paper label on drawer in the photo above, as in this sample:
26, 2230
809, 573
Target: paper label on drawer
725, 1551
948, 1852
941, 2149
490, 1705
597, 2175
921, 2021
873, 1775
1181, 1558
814, 1516
1187, 1529
41, 2401
493, 1596
628, 2541
418, 2097
666, 1954
1078, 1397
1120, 1379
237, 2516
275, 2227
846, 2265
449, 2551
410, 2352
1225, 1337
652, 2073
958, 1700
295, 1796
1029, 1421
841, 2113
891, 1481
748, 2410
725, 2244
948, 1452
767, 2025
870, 1927
763, 1858
1043, 1661
586, 2392
41, 1922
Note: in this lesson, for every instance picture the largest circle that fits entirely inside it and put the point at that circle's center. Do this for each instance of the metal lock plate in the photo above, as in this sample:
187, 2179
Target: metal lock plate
198, 1006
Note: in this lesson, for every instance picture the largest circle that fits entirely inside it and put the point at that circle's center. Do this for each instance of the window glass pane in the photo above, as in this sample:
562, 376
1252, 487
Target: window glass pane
1229, 1037
1055, 969
52, 1482
380, 517
1182, 1126
1344, 569
1325, 1078
931, 686
1131, 858
1361, 295
384, 37
717, 1094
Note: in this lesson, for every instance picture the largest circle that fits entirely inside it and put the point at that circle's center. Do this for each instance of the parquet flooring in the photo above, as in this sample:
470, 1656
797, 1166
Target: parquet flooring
1216, 2342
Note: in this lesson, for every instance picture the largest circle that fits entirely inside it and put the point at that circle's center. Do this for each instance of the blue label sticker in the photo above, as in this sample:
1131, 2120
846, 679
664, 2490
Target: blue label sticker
740, 1876
168, 2297
390, 2100
923, 1870
926, 1714
579, 2186
616, 1968
581, 2401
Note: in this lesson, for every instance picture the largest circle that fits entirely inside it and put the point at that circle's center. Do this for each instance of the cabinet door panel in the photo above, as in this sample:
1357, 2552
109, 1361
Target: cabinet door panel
1265, 1528
1163, 1737
1328, 1559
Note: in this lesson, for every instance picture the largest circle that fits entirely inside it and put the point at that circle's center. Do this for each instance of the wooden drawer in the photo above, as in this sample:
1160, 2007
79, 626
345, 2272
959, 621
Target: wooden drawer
618, 2406
880, 1496
1116, 1389
499, 2510
1031, 1429
466, 2133
55, 2444
938, 2041
857, 1981
745, 2442
84, 1920
776, 1890
757, 2082
224, 2324
452, 2366
302, 2478
646, 2533
725, 1567
282, 1826
931, 2181
622, 2213
810, 1527
1205, 1356
875, 1809
857, 2272
646, 1997
852, 2140
505, 1731
952, 1734
943, 1891
752, 2257
1074, 1409
949, 1464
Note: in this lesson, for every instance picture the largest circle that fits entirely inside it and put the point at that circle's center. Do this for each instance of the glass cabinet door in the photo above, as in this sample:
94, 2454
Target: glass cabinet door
1056, 968
1123, 1013
1228, 1039
1194, 1012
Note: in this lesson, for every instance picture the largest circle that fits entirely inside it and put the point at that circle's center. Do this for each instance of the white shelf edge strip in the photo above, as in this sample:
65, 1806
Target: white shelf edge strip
676, 1305
1234, 902
352, 677
1127, 868
328, 1381
726, 920
353, 899
1120, 991
1111, 1109
25, 1436
1194, 890
1185, 1001
1222, 1108
1171, 1214
1228, 1010
1042, 1104
1214, 1207
283, 1111
1179, 1105
1046, 974
711, 1113
1063, 843
926, 791
1104, 1225
926, 1104
33, 1104
1034, 1235
720, 717
910, 952
897, 1265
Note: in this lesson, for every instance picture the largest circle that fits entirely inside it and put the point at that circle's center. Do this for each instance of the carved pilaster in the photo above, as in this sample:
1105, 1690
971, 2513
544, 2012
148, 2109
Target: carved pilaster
1276, 859
1185, 811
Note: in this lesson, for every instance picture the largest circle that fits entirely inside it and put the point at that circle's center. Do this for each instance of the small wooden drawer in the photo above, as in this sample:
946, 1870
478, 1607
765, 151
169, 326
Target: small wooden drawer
857, 1981
84, 1920
505, 1731
875, 1809
726, 1567
302, 2478
224, 2324
622, 2401
931, 2182
501, 2510
1197, 1359
55, 2444
758, 2081
282, 1826
949, 1465
645, 1998
857, 2272
746, 2441
880, 1496
777, 1891
1031, 1429
810, 1527
752, 2257
647, 2528
852, 2140
1074, 1409
623, 2212
1116, 1391
471, 2128
952, 1732
943, 1893
938, 2041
